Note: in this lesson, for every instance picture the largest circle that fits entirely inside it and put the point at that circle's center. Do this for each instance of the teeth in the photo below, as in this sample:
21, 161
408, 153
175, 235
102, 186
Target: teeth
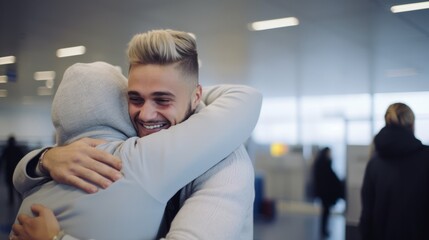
150, 127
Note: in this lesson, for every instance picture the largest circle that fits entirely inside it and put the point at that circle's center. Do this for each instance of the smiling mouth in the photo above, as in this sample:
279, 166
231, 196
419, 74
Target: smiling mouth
154, 126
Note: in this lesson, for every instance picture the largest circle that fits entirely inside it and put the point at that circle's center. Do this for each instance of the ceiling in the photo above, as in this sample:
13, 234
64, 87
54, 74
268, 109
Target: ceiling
340, 46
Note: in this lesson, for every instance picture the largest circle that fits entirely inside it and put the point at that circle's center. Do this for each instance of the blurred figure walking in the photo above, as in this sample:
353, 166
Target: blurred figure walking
10, 157
327, 187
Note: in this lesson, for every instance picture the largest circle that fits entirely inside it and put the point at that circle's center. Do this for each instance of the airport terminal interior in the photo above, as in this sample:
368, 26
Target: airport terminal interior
327, 71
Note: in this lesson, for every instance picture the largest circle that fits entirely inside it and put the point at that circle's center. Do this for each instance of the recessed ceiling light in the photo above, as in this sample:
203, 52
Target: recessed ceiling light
7, 60
274, 23
3, 79
44, 75
44, 91
409, 7
71, 51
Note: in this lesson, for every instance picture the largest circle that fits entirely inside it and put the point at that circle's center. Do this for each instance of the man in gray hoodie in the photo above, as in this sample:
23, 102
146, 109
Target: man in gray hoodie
162, 176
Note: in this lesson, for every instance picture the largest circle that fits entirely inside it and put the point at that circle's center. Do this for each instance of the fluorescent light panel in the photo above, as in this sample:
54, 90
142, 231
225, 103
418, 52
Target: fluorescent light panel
44, 91
3, 93
71, 51
409, 7
7, 60
274, 23
3, 79
44, 75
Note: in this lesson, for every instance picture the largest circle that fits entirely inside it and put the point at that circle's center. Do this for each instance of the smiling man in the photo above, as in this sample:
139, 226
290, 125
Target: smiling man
158, 98
163, 91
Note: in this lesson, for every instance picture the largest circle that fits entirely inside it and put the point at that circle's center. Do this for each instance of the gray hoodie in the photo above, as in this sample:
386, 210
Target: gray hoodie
91, 102
154, 167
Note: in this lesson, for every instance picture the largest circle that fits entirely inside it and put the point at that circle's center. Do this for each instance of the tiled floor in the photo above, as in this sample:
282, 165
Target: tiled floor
288, 225
298, 227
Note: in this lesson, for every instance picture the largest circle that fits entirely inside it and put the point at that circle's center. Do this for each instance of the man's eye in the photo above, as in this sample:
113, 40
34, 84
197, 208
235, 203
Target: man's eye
136, 100
162, 101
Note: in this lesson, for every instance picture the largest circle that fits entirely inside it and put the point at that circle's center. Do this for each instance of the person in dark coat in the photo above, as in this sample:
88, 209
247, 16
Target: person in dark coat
10, 158
395, 191
327, 186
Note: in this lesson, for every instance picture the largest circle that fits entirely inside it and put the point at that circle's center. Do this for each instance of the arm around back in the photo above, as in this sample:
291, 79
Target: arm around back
174, 157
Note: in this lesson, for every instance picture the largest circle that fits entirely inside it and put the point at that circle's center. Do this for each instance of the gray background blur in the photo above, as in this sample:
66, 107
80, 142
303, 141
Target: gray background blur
339, 47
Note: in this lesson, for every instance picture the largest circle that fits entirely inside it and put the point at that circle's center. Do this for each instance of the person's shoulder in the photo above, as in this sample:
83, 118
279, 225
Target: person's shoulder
239, 157
235, 167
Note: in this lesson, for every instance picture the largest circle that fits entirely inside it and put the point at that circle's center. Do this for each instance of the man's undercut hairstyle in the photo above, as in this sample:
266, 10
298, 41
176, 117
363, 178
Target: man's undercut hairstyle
164, 47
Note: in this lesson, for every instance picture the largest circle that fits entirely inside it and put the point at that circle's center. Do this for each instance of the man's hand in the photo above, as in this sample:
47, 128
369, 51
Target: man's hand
81, 165
42, 227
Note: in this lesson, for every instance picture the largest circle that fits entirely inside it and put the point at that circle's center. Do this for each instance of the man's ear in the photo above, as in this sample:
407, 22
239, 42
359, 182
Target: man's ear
196, 96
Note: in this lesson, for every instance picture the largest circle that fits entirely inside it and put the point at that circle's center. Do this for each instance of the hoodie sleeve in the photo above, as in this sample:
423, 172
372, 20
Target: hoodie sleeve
24, 178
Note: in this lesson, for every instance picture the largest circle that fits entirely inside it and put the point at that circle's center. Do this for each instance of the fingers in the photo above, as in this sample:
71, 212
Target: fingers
92, 172
98, 175
43, 226
23, 219
104, 157
17, 230
86, 176
81, 184
39, 209
82, 165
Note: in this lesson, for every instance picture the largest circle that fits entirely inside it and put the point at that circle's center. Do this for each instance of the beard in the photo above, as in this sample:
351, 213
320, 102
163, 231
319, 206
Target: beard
188, 113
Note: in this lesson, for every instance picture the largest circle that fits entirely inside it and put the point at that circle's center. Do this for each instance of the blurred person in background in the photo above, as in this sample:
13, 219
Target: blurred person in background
395, 191
10, 157
327, 187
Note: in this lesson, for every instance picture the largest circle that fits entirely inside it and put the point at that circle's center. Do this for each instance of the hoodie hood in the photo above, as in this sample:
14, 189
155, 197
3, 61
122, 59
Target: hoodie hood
395, 142
91, 102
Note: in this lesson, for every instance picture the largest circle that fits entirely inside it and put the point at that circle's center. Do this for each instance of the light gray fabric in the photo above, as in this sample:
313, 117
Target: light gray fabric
154, 167
81, 107
219, 203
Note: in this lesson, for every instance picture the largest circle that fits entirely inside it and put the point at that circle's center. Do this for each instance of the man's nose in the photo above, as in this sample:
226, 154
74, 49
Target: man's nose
147, 112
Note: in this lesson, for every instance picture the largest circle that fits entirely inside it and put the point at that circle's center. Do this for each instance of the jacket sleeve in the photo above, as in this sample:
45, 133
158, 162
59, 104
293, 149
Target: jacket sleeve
24, 178
220, 205
171, 158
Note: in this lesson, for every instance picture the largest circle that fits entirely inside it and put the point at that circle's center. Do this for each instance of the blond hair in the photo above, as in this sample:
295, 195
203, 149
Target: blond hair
399, 114
164, 47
